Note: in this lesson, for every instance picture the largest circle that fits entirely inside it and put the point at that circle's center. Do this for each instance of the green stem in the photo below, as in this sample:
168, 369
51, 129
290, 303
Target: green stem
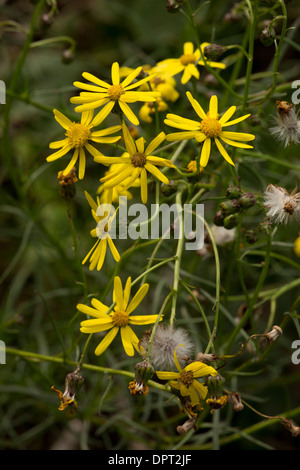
58, 360
253, 15
178, 258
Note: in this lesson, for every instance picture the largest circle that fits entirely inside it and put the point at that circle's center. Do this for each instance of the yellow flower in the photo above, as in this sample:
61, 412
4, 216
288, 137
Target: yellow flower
98, 251
210, 127
192, 167
185, 379
110, 195
117, 320
101, 93
137, 161
148, 109
77, 138
187, 63
297, 246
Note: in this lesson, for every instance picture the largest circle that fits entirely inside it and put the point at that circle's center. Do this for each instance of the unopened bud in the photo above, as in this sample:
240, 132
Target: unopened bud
214, 51
219, 219
267, 36
251, 236
230, 207
233, 192
231, 221
67, 56
247, 200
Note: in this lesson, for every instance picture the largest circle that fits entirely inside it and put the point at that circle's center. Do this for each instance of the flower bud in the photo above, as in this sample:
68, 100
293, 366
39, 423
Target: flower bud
219, 219
231, 221
214, 51
247, 200
67, 56
267, 36
230, 207
251, 236
233, 192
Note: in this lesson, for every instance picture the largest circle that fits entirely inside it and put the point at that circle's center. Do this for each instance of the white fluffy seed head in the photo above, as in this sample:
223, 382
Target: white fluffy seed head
287, 128
281, 206
166, 339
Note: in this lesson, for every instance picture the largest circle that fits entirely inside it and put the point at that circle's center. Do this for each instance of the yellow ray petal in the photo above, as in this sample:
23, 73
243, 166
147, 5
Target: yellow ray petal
213, 107
137, 299
223, 152
205, 152
106, 341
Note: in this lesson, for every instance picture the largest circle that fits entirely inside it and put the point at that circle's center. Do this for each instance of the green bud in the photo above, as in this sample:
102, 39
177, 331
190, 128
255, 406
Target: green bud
230, 207
247, 200
230, 221
219, 219
143, 372
267, 36
214, 51
233, 192
251, 236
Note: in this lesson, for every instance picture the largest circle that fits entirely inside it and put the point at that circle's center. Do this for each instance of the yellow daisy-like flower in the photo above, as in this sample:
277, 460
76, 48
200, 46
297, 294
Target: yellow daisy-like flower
101, 93
209, 128
185, 379
98, 251
137, 161
110, 195
148, 110
117, 320
78, 135
187, 63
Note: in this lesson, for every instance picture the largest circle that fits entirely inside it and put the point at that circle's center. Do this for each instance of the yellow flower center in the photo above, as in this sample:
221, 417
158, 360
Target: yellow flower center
138, 160
211, 127
186, 59
120, 318
78, 135
186, 378
115, 91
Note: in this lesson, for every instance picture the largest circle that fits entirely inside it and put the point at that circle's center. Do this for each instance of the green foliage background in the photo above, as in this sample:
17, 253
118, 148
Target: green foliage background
41, 279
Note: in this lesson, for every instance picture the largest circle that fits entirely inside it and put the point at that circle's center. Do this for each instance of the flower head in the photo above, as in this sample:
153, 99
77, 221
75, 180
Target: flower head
104, 221
165, 341
118, 319
101, 94
137, 161
187, 63
281, 205
287, 129
110, 195
185, 380
78, 135
209, 128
